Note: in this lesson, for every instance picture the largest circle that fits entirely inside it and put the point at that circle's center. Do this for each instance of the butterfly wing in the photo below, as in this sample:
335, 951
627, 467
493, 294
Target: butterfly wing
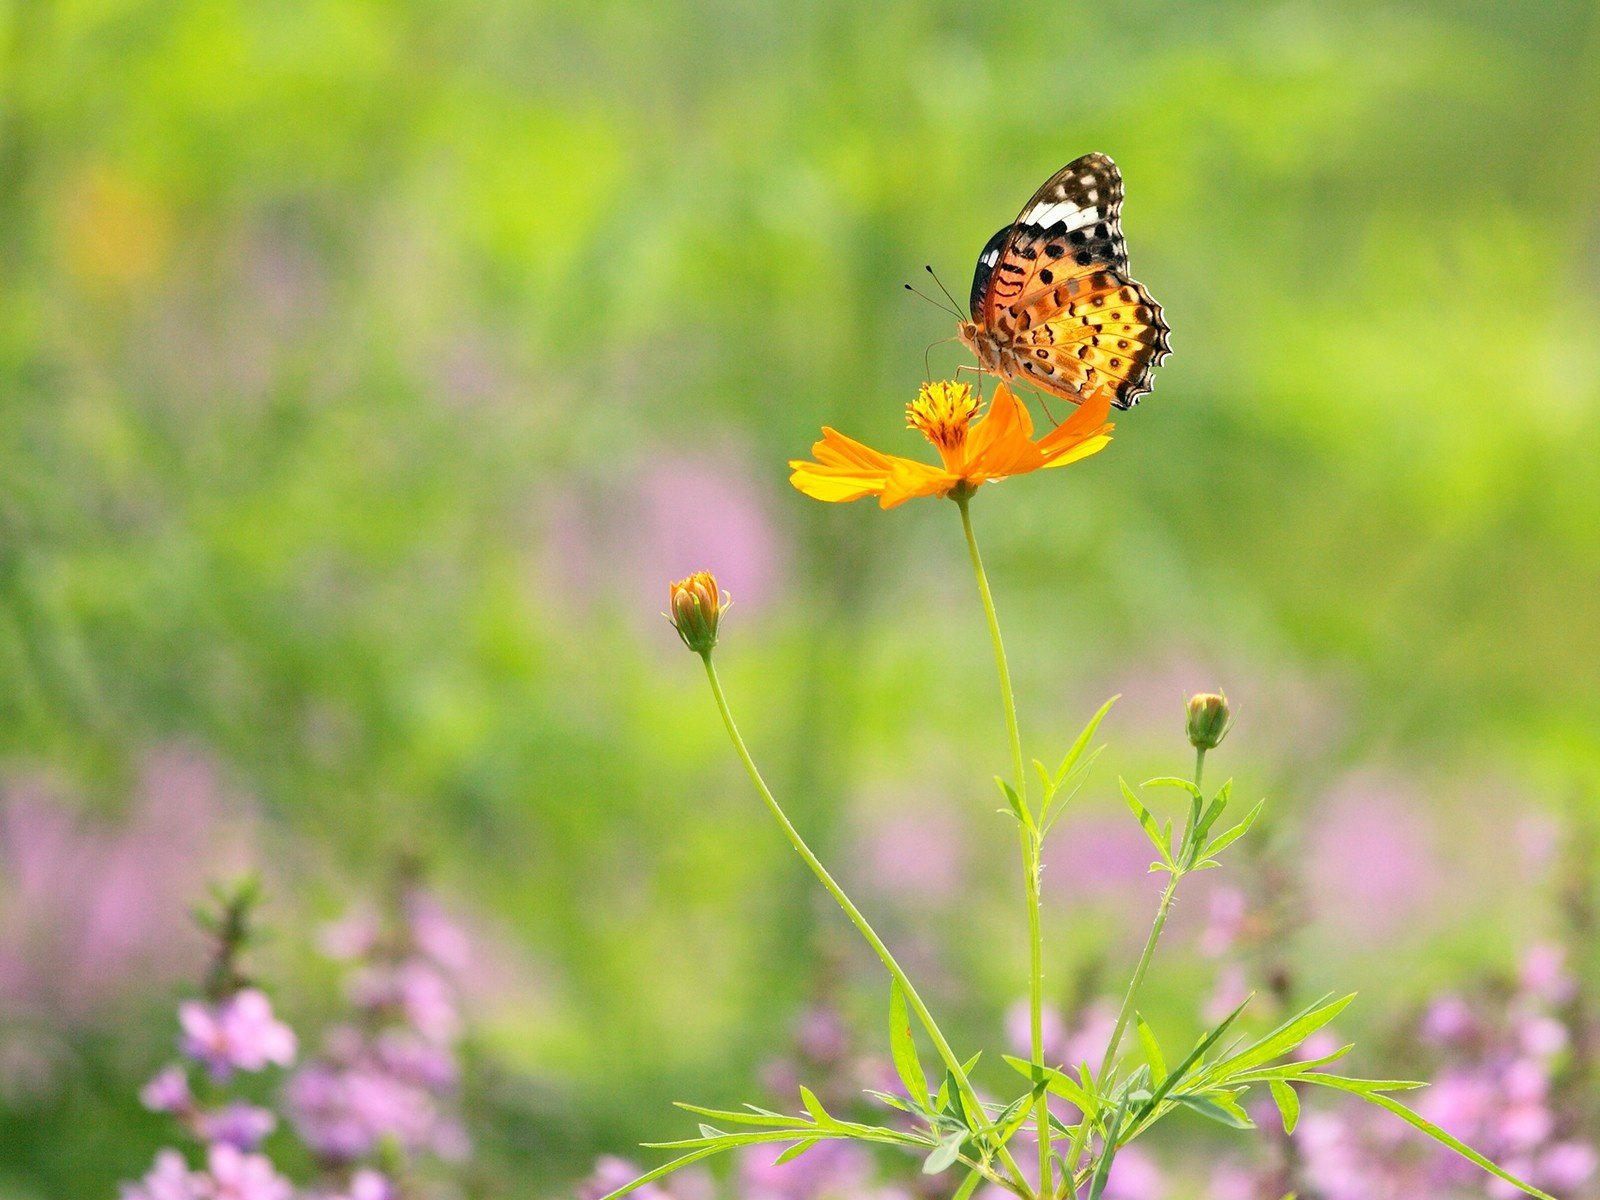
1053, 288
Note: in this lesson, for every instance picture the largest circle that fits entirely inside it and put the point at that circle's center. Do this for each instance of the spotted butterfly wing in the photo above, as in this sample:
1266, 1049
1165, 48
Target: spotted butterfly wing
1052, 302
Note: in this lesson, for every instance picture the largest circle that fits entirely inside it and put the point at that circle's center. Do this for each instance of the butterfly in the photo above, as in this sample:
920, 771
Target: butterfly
1052, 303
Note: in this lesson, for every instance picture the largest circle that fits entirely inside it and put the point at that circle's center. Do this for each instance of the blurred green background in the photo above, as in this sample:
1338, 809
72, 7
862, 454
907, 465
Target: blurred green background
367, 368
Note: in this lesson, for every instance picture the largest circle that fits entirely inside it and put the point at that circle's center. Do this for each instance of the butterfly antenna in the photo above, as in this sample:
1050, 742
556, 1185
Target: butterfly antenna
930, 300
928, 267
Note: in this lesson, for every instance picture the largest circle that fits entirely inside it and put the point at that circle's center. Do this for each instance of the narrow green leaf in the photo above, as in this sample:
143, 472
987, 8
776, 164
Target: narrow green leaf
1046, 780
814, 1106
744, 1118
794, 1152
1076, 750
1194, 1056
964, 1192
1152, 1049
1060, 1084
664, 1170
1147, 823
1172, 781
1102, 1171
903, 1047
1227, 839
1288, 1103
1225, 1112
1281, 1040
1417, 1121
945, 1153
1018, 809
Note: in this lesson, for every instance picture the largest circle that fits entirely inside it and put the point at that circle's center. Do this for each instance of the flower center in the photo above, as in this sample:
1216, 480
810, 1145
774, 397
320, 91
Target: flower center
942, 412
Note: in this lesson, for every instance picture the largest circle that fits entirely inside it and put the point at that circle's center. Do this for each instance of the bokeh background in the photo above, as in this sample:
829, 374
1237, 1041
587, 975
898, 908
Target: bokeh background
367, 369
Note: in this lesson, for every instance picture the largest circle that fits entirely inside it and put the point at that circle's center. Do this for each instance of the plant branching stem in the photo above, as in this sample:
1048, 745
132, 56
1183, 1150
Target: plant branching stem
913, 999
1125, 1013
1031, 846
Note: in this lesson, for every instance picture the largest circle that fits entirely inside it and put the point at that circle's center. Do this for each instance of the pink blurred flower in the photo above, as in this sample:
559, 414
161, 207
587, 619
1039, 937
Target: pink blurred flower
669, 516
1373, 870
169, 1179
91, 909
237, 1124
1228, 912
168, 1091
236, 1175
1019, 1034
237, 1033
830, 1169
914, 853
1544, 975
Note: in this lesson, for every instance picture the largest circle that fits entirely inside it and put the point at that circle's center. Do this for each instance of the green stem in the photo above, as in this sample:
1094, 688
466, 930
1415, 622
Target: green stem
1132, 998
913, 999
1030, 844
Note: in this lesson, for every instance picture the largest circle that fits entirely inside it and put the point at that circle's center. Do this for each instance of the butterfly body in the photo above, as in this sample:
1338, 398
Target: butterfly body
1052, 302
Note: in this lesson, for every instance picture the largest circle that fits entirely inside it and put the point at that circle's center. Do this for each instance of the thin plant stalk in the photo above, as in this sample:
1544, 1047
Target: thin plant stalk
1018, 1182
1030, 843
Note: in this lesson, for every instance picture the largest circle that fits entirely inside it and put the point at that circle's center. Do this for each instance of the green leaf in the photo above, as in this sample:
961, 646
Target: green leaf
794, 1152
1083, 740
1204, 1044
945, 1153
1172, 781
745, 1118
1238, 831
1218, 1109
1416, 1121
964, 1192
1061, 1084
1102, 1171
1288, 1103
1147, 823
814, 1106
1152, 1049
1018, 809
1281, 1040
903, 1047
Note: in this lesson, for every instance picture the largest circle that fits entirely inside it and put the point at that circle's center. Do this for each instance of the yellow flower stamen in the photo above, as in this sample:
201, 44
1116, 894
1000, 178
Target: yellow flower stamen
942, 412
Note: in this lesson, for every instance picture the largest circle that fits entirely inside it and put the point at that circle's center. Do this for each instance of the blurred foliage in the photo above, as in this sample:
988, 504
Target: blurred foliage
340, 341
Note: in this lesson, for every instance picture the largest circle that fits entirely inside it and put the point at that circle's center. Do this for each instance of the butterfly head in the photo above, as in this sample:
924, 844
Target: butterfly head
981, 342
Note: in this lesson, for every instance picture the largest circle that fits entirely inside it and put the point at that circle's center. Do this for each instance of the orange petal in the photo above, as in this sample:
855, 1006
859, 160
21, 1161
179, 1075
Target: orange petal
846, 470
1079, 450
1000, 443
909, 479
1089, 421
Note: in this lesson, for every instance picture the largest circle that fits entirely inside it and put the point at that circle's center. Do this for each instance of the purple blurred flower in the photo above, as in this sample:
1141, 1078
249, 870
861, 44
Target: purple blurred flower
236, 1175
914, 854
169, 1179
1098, 858
1373, 870
237, 1124
168, 1091
1450, 1021
237, 1033
1019, 1033
1227, 915
829, 1169
1544, 975
92, 907
669, 517
611, 1172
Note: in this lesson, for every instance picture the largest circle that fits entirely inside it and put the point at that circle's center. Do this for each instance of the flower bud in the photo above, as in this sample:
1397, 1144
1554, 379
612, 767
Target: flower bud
694, 606
1209, 720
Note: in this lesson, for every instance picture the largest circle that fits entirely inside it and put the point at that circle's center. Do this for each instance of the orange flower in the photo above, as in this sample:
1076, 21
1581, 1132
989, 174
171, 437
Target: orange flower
999, 444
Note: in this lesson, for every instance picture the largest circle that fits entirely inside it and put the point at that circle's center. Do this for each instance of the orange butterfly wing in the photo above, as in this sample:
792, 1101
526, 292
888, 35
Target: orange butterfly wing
1052, 292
